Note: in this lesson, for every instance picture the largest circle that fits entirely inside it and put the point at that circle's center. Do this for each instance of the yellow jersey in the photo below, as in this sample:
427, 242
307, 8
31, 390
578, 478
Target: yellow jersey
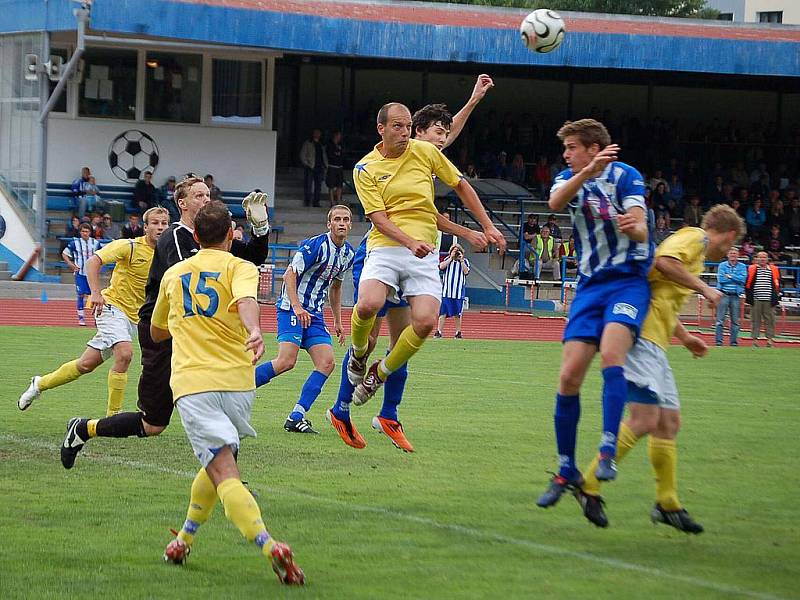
687, 245
133, 259
403, 188
197, 303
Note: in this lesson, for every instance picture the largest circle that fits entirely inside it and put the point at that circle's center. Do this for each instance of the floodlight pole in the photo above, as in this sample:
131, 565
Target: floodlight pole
48, 101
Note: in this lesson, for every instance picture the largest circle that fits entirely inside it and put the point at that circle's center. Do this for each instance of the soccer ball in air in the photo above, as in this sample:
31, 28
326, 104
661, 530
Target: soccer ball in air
542, 31
131, 154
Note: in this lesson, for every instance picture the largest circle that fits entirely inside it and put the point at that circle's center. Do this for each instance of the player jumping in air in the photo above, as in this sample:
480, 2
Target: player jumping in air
317, 267
652, 393
432, 123
116, 311
207, 306
395, 187
605, 199
177, 243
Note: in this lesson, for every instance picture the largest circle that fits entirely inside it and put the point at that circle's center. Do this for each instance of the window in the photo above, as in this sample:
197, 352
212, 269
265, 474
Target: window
775, 16
61, 105
725, 17
108, 88
236, 94
173, 87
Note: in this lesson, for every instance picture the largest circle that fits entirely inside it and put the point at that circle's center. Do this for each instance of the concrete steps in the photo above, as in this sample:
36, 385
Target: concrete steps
5, 274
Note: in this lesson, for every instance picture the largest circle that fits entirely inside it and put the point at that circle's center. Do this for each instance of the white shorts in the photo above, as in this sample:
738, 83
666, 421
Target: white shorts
213, 420
398, 268
648, 370
113, 326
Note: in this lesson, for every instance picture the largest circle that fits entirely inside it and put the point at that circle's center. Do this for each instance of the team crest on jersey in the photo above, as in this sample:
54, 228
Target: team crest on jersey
383, 177
623, 308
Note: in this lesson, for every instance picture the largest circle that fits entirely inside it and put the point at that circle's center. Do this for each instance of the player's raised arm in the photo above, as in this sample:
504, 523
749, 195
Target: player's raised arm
482, 85
469, 198
476, 239
564, 190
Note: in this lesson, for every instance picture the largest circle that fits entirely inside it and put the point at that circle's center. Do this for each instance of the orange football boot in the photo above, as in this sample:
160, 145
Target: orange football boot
394, 429
347, 431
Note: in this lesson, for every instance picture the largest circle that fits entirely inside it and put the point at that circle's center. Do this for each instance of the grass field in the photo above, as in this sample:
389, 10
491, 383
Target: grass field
456, 519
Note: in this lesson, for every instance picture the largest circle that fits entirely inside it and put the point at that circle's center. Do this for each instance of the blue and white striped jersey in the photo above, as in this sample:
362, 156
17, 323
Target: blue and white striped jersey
80, 251
598, 242
453, 280
317, 263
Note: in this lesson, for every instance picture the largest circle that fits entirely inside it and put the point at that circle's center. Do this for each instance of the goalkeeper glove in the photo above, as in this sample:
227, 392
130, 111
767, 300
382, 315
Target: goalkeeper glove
255, 207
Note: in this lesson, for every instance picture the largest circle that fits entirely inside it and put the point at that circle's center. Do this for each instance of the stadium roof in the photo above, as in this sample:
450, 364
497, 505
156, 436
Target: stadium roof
432, 32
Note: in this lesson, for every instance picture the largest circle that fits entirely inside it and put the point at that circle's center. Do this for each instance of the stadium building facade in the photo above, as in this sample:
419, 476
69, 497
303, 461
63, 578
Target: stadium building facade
233, 88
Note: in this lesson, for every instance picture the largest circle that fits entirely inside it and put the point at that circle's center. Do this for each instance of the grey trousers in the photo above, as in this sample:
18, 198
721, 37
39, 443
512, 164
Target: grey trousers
763, 310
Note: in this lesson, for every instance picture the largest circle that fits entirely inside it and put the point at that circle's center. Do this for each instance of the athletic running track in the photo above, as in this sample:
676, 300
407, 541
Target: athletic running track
485, 325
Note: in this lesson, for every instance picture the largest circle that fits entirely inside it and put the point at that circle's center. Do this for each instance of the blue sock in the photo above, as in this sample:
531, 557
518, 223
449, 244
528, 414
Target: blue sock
615, 392
264, 373
311, 389
393, 392
341, 408
566, 417
81, 302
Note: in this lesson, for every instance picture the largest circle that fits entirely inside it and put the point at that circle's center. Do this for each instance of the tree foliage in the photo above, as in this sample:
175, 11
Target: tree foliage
651, 8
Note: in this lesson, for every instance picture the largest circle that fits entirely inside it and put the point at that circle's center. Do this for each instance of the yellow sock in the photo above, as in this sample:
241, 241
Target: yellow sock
359, 332
664, 459
116, 391
63, 374
407, 346
625, 441
201, 506
91, 427
241, 508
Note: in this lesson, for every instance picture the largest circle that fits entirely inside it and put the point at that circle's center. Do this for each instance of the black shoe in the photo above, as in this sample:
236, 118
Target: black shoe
679, 519
592, 507
72, 443
437, 335
299, 426
558, 485
458, 336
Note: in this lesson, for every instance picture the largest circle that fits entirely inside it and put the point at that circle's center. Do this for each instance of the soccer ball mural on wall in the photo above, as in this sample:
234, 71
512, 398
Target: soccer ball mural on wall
131, 154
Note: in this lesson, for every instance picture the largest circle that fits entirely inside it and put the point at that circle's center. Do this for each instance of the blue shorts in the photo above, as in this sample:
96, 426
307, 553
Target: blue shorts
290, 330
82, 285
451, 307
617, 298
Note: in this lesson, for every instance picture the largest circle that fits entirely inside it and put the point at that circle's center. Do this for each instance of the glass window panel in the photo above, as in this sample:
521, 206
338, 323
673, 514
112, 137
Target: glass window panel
108, 88
236, 95
173, 87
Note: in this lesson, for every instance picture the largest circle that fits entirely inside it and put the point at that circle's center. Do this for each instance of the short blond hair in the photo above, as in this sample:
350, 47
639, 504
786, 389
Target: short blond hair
722, 218
588, 132
156, 210
339, 207
182, 189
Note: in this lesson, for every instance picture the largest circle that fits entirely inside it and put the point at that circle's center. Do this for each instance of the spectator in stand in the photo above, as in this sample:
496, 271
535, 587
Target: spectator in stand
133, 229
737, 206
531, 228
501, 168
334, 178
762, 292
98, 232
739, 175
662, 230
555, 231
78, 190
111, 231
793, 222
731, 277
761, 187
756, 218
659, 197
547, 249
168, 199
568, 251
693, 214
72, 230
542, 177
214, 192
471, 172
774, 245
676, 190
758, 173
748, 248
716, 193
91, 197
658, 177
692, 178
145, 195
456, 269
315, 162
516, 172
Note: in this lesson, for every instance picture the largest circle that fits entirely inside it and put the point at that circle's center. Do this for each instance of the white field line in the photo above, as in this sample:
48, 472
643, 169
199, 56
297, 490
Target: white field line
426, 521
